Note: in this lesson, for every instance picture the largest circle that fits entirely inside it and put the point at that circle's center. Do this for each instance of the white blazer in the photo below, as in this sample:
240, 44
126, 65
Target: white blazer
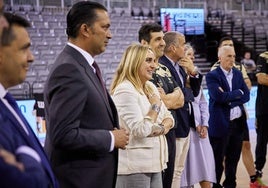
143, 154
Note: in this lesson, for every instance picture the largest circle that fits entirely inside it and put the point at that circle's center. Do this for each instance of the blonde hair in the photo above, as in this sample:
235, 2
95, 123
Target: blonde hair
129, 65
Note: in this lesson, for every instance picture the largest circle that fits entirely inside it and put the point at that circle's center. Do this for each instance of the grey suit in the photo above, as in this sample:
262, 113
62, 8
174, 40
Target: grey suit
79, 118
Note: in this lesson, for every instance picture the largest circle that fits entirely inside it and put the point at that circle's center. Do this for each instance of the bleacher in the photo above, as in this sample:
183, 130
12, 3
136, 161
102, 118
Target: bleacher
48, 37
249, 28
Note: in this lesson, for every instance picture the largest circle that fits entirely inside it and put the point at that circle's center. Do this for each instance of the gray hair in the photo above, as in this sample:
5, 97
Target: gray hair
223, 49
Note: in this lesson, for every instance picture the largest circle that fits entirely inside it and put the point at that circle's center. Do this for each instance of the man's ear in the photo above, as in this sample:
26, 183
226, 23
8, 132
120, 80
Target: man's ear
172, 48
85, 30
144, 42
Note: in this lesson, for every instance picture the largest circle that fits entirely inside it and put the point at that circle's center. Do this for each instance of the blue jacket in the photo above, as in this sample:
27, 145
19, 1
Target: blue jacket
184, 120
221, 102
13, 138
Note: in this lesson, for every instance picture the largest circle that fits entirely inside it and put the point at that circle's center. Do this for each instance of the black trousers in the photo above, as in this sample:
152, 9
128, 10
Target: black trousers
167, 174
227, 149
262, 140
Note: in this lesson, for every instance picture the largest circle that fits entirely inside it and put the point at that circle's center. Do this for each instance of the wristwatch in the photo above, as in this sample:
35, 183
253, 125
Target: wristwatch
156, 108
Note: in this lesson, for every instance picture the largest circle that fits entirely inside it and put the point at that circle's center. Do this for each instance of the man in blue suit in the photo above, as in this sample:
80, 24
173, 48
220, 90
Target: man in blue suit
23, 162
189, 80
227, 94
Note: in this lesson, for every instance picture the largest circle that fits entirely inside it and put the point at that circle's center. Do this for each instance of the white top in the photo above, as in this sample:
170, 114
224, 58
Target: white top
143, 154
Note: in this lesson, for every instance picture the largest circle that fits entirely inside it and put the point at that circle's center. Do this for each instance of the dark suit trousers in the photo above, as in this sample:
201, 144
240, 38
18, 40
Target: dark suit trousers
262, 140
168, 173
228, 149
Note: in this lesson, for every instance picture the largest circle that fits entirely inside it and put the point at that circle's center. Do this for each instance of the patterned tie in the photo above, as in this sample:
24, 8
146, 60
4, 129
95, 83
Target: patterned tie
36, 144
98, 73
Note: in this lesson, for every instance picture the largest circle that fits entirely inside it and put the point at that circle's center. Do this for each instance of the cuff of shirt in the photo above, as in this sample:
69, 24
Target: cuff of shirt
26, 150
112, 141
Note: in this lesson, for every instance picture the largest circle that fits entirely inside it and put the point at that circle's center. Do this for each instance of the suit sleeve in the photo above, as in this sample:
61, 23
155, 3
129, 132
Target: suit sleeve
244, 98
223, 96
33, 176
195, 83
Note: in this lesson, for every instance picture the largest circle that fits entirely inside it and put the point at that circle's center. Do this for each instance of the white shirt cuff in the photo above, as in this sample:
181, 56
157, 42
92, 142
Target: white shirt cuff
112, 141
28, 151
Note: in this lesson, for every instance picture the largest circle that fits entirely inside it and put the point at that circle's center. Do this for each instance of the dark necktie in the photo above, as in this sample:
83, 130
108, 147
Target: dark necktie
35, 142
98, 73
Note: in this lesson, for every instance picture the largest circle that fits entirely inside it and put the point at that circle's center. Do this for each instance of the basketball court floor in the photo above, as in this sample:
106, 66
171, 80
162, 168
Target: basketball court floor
242, 175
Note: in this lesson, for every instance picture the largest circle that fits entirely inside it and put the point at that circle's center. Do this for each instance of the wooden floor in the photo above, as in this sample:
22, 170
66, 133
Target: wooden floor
242, 175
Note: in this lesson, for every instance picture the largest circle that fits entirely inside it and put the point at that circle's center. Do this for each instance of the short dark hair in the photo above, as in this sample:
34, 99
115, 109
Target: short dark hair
146, 30
81, 13
12, 19
224, 39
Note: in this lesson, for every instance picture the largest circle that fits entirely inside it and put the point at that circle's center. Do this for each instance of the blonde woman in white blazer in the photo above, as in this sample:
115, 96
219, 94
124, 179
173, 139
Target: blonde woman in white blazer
145, 116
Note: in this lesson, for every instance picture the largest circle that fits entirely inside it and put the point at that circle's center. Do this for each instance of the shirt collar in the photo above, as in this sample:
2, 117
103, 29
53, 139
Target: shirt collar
3, 91
172, 62
226, 73
86, 55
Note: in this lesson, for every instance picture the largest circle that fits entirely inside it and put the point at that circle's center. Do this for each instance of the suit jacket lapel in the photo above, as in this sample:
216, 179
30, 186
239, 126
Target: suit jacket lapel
90, 73
183, 74
234, 81
14, 121
225, 82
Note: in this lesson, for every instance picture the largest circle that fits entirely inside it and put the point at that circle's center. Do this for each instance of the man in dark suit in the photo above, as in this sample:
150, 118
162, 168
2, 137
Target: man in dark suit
83, 135
23, 162
189, 80
227, 94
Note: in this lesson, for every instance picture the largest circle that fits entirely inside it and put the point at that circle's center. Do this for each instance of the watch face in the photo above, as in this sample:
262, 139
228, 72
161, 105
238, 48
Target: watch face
156, 108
